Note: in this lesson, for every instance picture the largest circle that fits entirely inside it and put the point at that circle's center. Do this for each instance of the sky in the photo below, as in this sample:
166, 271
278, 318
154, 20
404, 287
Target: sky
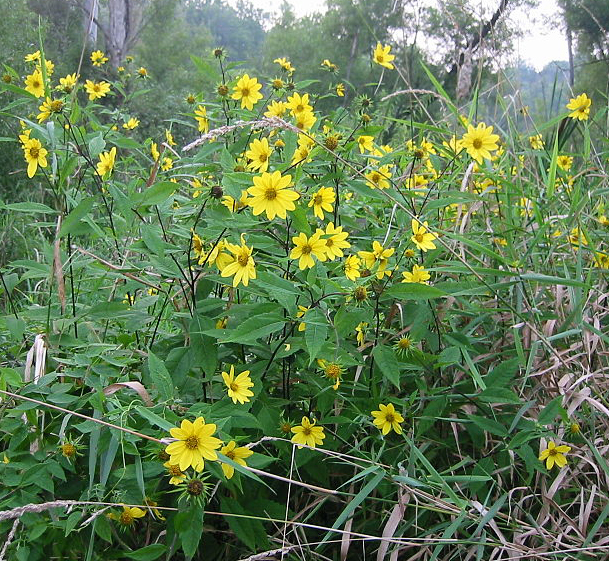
540, 45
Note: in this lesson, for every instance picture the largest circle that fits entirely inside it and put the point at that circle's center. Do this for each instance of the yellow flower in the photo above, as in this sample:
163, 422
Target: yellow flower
577, 237
49, 67
131, 123
68, 83
536, 142
329, 65
579, 107
269, 194
365, 143
167, 163
453, 144
379, 178
106, 162
360, 331
68, 450
381, 56
418, 275
33, 57
177, 475
96, 89
564, 162
35, 155
5, 459
98, 58
201, 117
308, 247
34, 84
238, 387
554, 455
421, 237
336, 242
128, 516
351, 267
322, 200
243, 267
305, 120
276, 109
237, 454
277, 83
49, 106
332, 370
387, 418
169, 138
379, 255
340, 90
307, 434
154, 152
259, 154
247, 90
302, 310
194, 444
601, 260
480, 142
285, 64
233, 205
404, 345
298, 104
142, 72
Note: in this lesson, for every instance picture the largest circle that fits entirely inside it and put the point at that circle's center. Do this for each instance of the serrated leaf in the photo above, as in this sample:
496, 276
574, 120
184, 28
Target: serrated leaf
316, 331
255, 328
387, 363
160, 377
550, 411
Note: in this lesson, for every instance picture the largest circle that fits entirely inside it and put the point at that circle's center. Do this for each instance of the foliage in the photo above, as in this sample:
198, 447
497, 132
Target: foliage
339, 333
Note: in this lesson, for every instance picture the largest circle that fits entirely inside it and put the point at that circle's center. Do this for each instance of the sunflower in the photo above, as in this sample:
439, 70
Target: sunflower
201, 117
307, 434
480, 142
106, 162
247, 90
554, 455
177, 475
238, 386
96, 89
237, 454
381, 56
98, 58
48, 107
580, 107
308, 247
387, 418
421, 237
35, 155
243, 267
259, 154
128, 516
322, 200
336, 241
418, 275
351, 267
269, 194
194, 444
298, 104
276, 109
34, 84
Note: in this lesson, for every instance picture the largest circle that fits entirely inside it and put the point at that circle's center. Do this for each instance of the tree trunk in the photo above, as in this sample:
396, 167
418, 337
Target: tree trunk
571, 64
123, 29
90, 15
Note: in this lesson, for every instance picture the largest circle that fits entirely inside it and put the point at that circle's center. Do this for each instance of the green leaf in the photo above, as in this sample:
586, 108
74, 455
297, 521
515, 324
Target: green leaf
156, 194
96, 145
161, 378
502, 374
30, 207
316, 332
72, 219
148, 553
387, 363
155, 419
498, 395
255, 328
189, 526
488, 425
203, 348
413, 291
550, 411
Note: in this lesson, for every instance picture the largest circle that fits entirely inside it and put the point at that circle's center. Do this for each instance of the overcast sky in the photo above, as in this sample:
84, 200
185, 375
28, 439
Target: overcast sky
541, 45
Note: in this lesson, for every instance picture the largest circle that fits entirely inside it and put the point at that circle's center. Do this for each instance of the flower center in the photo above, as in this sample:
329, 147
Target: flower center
306, 431
419, 237
245, 92
175, 470
389, 418
126, 519
477, 144
243, 259
270, 194
192, 442
404, 343
299, 108
262, 157
34, 152
553, 452
332, 370
230, 454
318, 199
329, 242
306, 249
